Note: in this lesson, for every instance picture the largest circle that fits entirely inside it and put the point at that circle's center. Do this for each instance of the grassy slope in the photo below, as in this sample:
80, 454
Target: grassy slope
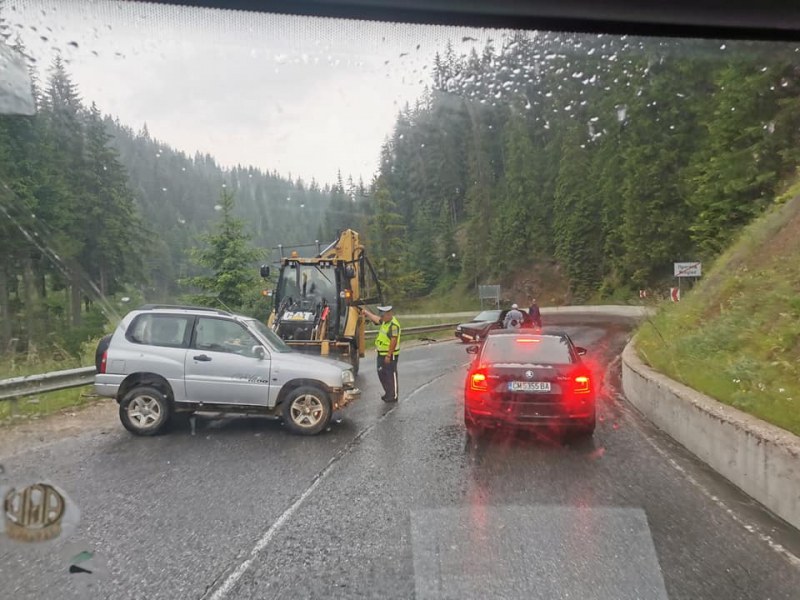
34, 407
736, 337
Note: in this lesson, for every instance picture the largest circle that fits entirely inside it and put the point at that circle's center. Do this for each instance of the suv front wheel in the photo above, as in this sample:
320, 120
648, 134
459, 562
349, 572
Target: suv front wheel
144, 411
307, 410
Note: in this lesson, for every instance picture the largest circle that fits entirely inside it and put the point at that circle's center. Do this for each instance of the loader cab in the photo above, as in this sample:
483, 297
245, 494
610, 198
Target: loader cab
303, 294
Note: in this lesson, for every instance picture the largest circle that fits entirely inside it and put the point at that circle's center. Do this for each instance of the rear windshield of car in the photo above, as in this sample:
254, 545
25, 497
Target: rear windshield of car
488, 315
526, 349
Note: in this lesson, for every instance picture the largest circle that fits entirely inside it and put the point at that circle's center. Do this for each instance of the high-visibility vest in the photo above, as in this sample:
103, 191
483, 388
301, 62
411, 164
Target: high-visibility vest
382, 340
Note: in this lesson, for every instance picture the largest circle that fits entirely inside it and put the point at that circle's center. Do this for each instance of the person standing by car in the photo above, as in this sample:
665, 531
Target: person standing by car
514, 318
535, 314
387, 344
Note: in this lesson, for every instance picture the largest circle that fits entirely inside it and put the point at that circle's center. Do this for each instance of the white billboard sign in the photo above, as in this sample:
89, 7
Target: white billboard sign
688, 269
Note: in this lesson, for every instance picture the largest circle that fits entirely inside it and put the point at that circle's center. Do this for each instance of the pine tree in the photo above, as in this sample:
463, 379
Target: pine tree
231, 260
735, 174
60, 195
108, 255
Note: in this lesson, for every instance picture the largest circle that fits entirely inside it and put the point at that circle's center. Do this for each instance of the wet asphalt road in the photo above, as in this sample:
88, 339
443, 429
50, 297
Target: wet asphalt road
396, 502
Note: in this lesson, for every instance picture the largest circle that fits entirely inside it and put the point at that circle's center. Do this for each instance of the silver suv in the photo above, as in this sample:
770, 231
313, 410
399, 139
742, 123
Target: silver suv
163, 360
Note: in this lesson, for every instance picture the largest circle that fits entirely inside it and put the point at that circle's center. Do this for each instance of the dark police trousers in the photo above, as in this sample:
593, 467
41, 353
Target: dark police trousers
388, 376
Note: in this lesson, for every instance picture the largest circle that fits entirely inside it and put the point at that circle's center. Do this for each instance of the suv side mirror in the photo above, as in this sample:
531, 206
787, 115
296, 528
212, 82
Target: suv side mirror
259, 352
472, 349
580, 351
265, 271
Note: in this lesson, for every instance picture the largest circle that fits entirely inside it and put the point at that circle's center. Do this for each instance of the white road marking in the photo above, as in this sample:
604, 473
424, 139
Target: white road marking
750, 528
230, 581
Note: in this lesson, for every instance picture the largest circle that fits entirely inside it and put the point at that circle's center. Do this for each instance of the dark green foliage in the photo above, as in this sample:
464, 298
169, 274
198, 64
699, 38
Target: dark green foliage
616, 156
91, 213
229, 261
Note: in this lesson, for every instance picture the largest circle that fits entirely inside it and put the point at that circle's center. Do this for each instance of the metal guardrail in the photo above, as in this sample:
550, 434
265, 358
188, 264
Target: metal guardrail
28, 385
406, 331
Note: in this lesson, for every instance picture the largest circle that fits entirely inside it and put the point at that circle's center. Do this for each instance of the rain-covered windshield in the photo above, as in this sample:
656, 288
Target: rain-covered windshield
642, 189
308, 284
526, 349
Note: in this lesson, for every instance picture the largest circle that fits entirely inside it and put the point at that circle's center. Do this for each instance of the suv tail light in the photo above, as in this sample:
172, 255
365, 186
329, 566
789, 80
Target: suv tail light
103, 362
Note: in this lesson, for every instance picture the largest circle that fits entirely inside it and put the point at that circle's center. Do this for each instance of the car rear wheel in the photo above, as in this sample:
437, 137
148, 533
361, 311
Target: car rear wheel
145, 410
307, 410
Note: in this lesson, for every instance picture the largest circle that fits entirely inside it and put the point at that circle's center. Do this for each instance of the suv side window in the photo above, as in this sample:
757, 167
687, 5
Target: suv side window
219, 335
160, 330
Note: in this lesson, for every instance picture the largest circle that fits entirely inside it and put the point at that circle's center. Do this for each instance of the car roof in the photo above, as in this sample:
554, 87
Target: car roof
527, 333
185, 309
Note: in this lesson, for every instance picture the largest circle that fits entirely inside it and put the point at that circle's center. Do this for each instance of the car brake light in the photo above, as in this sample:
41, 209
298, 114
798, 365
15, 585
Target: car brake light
527, 341
478, 382
103, 362
582, 384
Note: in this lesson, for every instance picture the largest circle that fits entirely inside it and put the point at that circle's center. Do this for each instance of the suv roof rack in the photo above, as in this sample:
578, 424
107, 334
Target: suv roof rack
185, 307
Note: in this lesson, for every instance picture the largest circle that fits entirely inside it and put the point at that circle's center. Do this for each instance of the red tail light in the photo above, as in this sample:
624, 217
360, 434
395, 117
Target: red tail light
582, 384
103, 362
478, 382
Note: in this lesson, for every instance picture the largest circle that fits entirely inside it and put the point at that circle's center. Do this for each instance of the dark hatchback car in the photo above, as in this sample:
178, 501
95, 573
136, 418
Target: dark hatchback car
529, 380
484, 322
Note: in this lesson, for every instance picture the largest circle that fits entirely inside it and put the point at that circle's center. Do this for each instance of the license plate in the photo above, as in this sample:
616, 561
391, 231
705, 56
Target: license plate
528, 386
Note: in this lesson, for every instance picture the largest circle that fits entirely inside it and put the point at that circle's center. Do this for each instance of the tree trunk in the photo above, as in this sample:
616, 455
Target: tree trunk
75, 297
33, 304
103, 281
5, 316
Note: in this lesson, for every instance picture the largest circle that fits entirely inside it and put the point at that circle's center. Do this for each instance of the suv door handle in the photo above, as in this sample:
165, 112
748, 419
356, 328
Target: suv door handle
202, 357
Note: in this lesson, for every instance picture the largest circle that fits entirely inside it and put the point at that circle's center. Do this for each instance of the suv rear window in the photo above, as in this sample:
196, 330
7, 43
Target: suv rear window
526, 349
160, 330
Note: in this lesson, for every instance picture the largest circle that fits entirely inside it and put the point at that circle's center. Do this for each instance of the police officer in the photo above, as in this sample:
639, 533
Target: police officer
387, 343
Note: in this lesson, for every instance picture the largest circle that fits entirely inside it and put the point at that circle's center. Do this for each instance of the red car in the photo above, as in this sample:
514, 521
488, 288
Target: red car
525, 379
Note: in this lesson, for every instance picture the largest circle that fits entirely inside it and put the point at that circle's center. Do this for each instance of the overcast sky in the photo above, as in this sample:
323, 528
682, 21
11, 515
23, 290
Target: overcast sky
301, 95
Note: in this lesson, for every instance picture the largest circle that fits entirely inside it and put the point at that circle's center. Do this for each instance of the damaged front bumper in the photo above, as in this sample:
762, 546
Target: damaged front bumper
341, 398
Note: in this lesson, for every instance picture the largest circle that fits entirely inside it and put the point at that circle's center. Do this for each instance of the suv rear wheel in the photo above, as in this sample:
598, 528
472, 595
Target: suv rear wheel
307, 410
145, 411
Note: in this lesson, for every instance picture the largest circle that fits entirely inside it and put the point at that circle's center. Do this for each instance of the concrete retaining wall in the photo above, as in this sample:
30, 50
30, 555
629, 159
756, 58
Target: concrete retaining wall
759, 458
